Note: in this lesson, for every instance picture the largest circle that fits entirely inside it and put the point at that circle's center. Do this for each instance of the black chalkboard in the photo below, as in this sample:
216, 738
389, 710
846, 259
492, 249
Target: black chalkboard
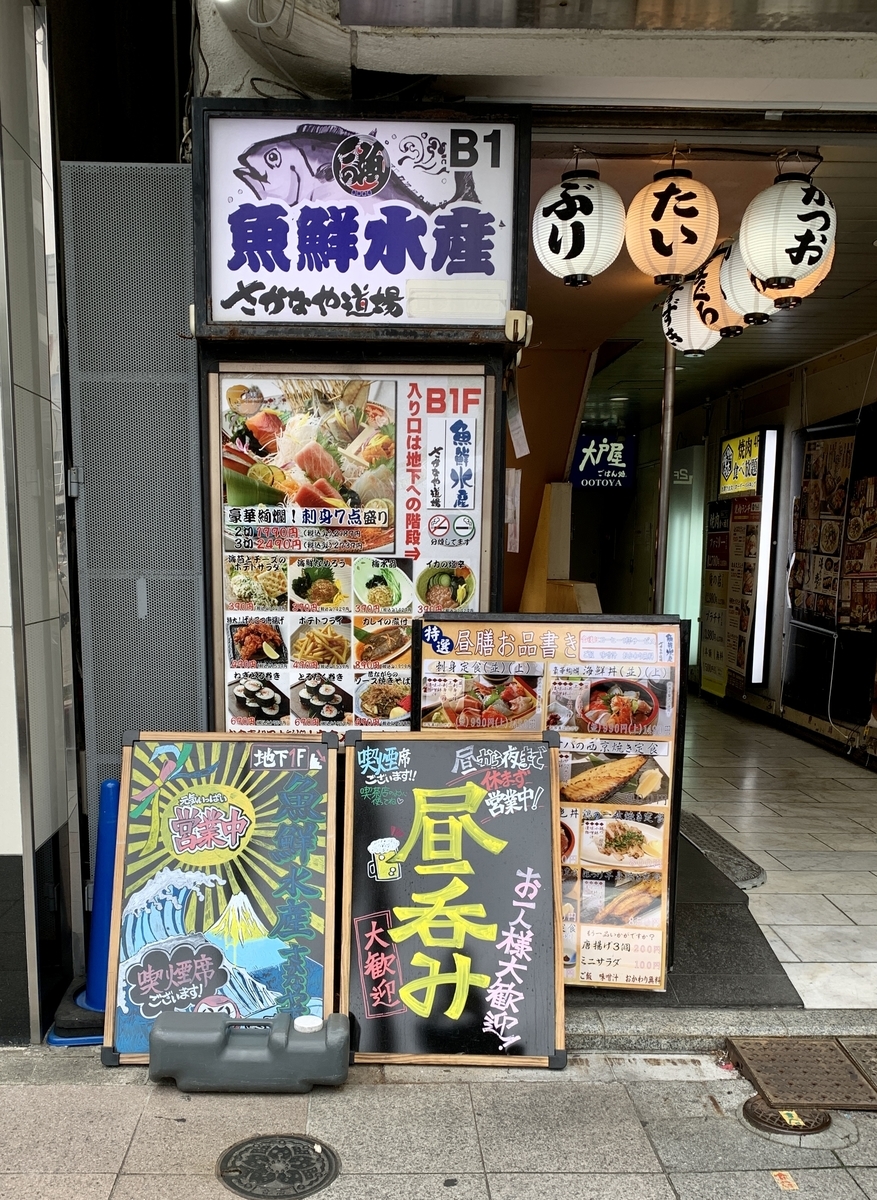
451, 916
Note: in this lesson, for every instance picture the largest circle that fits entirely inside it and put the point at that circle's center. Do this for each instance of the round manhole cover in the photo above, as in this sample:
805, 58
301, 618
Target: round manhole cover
764, 1116
278, 1166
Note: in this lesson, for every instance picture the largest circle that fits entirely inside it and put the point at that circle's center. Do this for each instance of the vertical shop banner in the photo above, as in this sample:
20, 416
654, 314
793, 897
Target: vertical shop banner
821, 511
858, 594
451, 906
359, 222
738, 465
611, 691
349, 505
224, 883
604, 459
714, 608
743, 547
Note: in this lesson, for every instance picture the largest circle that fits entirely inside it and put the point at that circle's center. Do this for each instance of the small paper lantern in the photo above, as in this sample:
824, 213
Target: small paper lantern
671, 226
792, 297
787, 231
711, 303
683, 327
578, 227
740, 291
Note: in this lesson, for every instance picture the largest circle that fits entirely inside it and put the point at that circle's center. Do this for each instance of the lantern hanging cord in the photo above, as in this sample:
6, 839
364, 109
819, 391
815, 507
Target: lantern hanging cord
784, 156
578, 151
692, 153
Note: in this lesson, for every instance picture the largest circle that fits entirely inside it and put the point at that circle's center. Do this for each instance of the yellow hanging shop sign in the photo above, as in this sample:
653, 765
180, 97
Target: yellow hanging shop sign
738, 466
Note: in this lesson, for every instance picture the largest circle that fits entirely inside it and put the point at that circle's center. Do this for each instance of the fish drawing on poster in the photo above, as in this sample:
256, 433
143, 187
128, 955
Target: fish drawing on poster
381, 222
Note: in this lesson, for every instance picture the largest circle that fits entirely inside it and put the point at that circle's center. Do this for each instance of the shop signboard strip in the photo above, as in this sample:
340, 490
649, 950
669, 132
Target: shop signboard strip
613, 688
224, 896
451, 911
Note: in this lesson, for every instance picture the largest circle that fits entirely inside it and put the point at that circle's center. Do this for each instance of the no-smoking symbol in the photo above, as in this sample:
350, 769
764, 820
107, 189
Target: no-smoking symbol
439, 525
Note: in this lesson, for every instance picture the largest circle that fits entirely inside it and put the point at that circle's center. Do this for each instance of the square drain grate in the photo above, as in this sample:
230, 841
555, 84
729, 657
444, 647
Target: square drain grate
807, 1072
863, 1052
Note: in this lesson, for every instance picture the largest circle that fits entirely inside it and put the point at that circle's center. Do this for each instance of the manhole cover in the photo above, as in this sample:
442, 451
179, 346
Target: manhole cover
278, 1166
796, 1073
762, 1115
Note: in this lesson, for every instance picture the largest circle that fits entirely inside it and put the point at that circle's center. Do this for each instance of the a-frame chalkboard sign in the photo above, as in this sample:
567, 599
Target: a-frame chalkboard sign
224, 894
451, 914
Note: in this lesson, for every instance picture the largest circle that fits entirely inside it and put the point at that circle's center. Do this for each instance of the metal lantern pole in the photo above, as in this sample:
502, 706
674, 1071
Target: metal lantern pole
666, 481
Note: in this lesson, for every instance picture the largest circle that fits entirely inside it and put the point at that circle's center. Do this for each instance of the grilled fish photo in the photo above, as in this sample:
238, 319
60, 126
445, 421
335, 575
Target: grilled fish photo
600, 782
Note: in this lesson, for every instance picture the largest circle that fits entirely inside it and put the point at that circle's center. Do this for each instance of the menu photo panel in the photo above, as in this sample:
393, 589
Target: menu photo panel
612, 691
348, 504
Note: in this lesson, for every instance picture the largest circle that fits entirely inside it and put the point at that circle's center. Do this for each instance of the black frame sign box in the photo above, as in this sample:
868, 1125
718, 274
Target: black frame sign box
224, 895
451, 901
342, 221
613, 689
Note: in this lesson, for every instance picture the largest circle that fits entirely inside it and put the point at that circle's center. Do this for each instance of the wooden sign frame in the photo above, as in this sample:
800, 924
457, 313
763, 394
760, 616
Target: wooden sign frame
557, 1061
110, 1056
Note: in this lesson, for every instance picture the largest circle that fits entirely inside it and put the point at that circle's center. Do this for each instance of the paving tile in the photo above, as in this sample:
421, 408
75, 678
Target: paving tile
864, 1152
866, 1178
67, 1129
835, 985
404, 1187
686, 1025
650, 1068
169, 1187
866, 781
579, 1187
861, 883
779, 947
818, 823
725, 1144
766, 860
688, 1101
782, 908
536, 1128
827, 861
859, 908
789, 843
56, 1187
846, 835
835, 1184
579, 1068
830, 943
185, 1134
432, 1127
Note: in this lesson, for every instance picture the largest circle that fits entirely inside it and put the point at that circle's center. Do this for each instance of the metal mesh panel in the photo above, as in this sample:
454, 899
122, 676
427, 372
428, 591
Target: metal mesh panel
135, 432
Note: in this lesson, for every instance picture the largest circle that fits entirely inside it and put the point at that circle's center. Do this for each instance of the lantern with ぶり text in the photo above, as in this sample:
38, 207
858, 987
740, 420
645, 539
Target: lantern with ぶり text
683, 328
787, 231
578, 227
740, 292
671, 226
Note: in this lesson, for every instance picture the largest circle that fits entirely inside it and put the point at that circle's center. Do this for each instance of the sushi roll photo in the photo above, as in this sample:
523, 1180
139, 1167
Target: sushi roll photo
314, 683
272, 709
241, 692
252, 686
266, 695
330, 713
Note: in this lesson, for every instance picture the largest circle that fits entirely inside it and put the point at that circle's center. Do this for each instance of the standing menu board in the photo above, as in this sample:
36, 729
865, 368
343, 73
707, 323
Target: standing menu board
612, 692
820, 513
224, 882
714, 603
452, 914
349, 504
743, 550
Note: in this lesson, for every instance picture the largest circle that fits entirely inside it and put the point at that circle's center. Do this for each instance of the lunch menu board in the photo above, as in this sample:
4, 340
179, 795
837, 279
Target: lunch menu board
451, 907
350, 504
611, 691
224, 882
819, 516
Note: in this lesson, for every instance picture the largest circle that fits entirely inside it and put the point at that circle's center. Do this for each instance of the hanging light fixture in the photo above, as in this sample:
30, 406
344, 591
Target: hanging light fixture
578, 227
787, 231
683, 327
711, 302
784, 298
739, 290
671, 226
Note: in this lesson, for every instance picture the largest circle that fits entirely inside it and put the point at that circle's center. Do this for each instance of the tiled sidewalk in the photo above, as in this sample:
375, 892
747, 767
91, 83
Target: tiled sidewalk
607, 1128
809, 817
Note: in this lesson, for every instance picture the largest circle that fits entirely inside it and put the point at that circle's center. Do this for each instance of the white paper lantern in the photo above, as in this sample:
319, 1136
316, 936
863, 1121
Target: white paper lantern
787, 230
711, 303
740, 291
578, 227
671, 226
683, 327
792, 297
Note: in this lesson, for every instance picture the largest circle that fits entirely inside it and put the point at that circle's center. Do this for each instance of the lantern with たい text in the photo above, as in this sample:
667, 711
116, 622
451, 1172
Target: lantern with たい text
711, 303
792, 297
787, 231
739, 290
578, 227
671, 226
683, 327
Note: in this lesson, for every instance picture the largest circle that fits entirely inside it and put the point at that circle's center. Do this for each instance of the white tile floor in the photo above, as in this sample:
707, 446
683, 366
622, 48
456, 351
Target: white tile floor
809, 818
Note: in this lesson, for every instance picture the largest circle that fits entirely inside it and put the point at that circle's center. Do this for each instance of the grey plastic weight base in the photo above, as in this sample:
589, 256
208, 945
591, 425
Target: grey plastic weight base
210, 1052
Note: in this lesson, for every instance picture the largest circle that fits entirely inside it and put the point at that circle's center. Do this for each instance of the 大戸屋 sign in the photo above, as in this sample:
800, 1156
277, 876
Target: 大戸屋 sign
325, 221
604, 459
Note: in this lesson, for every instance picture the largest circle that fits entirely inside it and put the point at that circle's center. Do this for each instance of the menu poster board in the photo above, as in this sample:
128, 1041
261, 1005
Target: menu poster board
739, 465
452, 916
858, 588
224, 883
714, 604
611, 690
743, 545
355, 222
349, 504
819, 535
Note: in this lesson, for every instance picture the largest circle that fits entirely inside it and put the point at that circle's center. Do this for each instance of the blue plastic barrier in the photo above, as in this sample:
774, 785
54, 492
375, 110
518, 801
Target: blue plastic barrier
102, 901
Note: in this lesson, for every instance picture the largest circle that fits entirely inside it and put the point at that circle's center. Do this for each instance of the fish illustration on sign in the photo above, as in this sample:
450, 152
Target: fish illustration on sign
312, 161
